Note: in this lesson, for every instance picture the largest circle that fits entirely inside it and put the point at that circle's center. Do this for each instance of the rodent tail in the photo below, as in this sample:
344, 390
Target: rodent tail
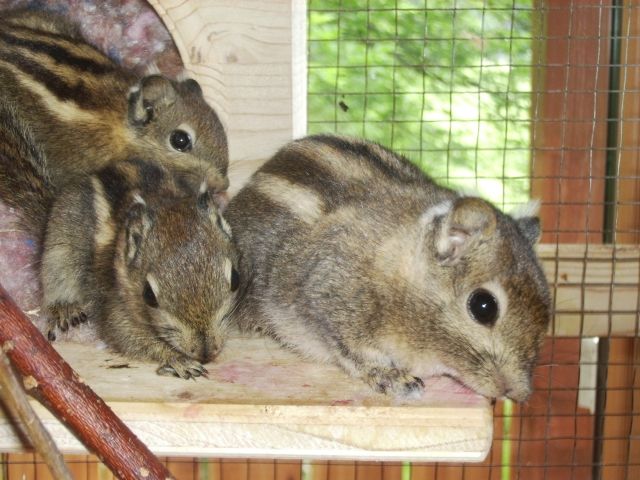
24, 183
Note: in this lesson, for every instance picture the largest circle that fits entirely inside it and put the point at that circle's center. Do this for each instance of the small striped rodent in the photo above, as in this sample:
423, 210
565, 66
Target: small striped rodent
350, 254
85, 111
151, 267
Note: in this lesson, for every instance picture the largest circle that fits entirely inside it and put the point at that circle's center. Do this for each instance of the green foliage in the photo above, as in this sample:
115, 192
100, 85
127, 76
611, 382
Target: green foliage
448, 87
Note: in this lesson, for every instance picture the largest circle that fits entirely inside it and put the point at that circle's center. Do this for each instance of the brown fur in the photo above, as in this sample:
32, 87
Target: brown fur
86, 111
124, 248
350, 254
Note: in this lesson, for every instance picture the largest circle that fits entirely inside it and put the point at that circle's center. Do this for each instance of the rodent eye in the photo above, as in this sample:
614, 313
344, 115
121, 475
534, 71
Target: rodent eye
180, 140
235, 279
483, 307
149, 296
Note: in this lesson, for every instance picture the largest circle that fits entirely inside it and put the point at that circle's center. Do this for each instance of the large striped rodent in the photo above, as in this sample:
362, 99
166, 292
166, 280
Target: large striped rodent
152, 268
350, 254
86, 111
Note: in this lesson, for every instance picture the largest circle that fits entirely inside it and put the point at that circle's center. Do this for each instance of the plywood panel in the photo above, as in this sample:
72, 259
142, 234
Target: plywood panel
250, 57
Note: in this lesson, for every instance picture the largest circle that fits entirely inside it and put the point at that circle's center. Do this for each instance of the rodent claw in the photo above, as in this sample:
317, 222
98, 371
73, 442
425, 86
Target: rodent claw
182, 368
394, 380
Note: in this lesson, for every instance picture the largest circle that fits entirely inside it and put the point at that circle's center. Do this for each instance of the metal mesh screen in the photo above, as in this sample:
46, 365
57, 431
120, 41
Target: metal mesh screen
519, 99
515, 99
447, 84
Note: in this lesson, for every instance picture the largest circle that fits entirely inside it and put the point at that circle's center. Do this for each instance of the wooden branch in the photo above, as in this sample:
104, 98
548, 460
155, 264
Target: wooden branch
48, 376
15, 400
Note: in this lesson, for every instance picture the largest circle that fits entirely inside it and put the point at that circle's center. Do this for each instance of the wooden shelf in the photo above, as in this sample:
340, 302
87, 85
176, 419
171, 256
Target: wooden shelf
595, 288
262, 401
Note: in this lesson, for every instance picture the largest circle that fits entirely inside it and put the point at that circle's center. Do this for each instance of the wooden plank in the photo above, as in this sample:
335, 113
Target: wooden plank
627, 220
342, 471
182, 468
369, 470
595, 288
288, 470
261, 470
21, 465
250, 57
211, 469
620, 408
392, 471
319, 470
262, 401
232, 469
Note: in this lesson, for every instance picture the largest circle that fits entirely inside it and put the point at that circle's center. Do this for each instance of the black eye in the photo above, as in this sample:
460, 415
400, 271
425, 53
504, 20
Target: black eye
235, 279
483, 307
149, 296
180, 140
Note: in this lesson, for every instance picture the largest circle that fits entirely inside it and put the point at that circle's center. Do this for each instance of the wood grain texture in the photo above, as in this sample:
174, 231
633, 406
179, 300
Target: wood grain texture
595, 288
250, 58
262, 401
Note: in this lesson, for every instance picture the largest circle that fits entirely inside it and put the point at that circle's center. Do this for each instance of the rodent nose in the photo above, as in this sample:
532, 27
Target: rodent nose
517, 395
208, 353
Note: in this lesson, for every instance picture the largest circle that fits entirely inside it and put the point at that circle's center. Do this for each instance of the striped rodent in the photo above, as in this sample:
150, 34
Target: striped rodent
350, 254
86, 111
153, 269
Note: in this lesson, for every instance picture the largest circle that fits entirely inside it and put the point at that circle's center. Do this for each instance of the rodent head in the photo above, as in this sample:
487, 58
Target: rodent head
480, 302
173, 120
178, 267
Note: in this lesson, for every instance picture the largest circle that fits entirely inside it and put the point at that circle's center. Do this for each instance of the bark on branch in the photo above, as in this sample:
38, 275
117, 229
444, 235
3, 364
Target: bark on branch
50, 379
15, 400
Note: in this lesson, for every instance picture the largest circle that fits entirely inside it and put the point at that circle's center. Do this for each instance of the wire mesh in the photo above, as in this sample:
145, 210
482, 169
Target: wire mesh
518, 99
515, 99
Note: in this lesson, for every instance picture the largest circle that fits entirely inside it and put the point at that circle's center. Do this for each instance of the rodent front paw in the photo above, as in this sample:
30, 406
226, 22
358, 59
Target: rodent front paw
61, 315
182, 368
394, 380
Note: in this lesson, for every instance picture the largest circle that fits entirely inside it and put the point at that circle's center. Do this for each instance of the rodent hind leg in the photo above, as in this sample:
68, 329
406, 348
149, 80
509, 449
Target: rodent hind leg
380, 372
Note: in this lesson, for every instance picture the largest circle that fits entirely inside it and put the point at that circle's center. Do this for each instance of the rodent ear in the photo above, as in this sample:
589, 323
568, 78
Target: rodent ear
208, 205
530, 228
192, 86
526, 217
137, 227
153, 93
469, 220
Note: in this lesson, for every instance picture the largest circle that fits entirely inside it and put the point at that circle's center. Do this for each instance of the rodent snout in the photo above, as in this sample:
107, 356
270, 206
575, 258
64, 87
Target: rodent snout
205, 352
517, 395
516, 390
